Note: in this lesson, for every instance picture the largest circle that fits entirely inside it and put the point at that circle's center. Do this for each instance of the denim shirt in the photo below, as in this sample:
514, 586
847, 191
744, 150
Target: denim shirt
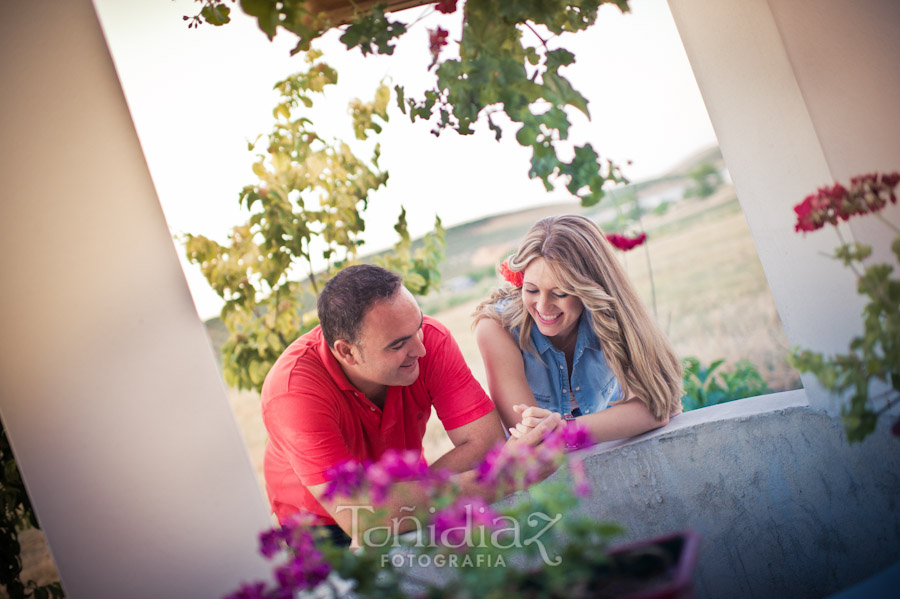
593, 381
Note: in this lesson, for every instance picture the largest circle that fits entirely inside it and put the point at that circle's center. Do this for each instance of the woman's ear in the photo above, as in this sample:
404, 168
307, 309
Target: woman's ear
344, 351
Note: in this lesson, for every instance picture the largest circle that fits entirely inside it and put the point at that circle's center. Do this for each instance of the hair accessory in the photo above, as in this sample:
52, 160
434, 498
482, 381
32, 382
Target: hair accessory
516, 278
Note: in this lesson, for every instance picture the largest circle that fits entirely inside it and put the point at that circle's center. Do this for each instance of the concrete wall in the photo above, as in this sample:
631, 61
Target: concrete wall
108, 386
784, 506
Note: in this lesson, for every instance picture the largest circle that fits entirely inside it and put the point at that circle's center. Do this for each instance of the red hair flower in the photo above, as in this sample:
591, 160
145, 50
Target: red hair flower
621, 242
516, 278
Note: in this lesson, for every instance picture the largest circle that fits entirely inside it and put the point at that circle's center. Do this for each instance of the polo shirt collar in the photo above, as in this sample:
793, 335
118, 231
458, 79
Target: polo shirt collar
333, 366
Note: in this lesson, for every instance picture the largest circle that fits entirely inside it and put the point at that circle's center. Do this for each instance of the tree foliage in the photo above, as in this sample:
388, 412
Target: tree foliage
509, 62
705, 180
306, 221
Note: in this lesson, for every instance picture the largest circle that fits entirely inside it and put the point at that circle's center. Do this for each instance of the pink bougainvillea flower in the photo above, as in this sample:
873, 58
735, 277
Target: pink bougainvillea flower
345, 479
437, 39
508, 469
256, 590
621, 242
274, 540
516, 278
395, 466
304, 571
571, 436
454, 524
446, 6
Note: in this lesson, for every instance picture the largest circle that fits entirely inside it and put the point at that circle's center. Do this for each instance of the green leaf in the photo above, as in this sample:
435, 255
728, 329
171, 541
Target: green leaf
371, 30
526, 135
401, 101
216, 14
266, 14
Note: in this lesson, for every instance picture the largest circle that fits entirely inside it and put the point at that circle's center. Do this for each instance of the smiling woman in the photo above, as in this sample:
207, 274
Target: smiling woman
572, 336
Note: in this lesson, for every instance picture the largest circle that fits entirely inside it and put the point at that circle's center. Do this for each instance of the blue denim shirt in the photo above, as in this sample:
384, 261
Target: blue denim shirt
593, 381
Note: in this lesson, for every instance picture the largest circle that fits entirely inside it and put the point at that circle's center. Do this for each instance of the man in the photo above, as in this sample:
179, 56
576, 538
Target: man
363, 382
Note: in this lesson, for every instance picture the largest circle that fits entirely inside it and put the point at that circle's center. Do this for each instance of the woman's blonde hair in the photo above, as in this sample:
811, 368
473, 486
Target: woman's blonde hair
583, 264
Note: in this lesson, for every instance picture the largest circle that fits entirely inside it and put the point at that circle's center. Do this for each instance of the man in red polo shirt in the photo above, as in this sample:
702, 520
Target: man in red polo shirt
365, 381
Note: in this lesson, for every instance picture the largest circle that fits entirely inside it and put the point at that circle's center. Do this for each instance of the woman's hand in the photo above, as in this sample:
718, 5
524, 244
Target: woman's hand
531, 416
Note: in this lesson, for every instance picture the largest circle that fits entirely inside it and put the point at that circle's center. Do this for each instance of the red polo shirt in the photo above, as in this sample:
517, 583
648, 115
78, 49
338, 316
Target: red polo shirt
316, 418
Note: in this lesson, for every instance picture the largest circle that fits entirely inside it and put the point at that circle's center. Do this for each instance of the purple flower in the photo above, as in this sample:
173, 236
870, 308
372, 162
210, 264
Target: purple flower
505, 468
490, 467
394, 466
272, 541
454, 524
256, 590
304, 571
575, 436
345, 479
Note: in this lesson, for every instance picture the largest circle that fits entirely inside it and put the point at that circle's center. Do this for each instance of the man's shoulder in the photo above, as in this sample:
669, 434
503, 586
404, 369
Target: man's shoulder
299, 366
431, 325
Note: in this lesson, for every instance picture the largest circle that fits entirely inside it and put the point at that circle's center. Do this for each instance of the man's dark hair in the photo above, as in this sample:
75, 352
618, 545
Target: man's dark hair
349, 295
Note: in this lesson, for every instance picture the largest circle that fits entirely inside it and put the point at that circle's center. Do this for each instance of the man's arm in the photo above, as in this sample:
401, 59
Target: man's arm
471, 442
355, 514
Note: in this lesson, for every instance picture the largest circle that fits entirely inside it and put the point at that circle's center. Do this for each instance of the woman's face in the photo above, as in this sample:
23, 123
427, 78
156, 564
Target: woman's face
555, 313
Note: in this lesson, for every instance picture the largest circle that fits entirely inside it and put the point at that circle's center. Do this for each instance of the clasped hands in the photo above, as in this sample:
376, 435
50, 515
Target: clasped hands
533, 418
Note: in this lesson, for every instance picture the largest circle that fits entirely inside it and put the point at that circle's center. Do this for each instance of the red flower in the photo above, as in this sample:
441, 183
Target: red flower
446, 6
516, 278
867, 194
437, 39
624, 243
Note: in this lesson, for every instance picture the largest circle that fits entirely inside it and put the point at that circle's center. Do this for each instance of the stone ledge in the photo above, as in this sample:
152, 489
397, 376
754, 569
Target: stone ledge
739, 410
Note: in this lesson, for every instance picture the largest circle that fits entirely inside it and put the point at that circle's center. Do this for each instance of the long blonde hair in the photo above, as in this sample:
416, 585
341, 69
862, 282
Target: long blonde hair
583, 264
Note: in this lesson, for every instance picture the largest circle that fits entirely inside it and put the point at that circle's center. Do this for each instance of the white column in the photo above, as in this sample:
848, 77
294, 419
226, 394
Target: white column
108, 386
796, 106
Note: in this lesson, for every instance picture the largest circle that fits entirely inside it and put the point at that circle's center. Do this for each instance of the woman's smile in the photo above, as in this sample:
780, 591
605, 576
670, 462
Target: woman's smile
555, 312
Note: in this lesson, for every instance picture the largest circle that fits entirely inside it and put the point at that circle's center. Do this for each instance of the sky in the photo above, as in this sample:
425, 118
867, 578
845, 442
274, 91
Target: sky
197, 96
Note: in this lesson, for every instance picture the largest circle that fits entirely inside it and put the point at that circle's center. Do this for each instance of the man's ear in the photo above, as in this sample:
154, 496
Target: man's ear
343, 350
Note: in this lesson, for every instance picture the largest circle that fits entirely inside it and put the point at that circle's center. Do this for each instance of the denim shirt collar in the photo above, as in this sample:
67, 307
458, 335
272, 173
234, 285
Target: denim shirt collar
586, 338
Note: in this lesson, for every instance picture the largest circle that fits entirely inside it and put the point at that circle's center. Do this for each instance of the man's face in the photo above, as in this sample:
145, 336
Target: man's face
389, 346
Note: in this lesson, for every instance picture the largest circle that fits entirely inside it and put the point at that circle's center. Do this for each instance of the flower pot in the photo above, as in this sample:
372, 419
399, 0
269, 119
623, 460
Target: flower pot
656, 568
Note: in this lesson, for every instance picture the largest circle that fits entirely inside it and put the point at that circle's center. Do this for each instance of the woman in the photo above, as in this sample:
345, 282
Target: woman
570, 335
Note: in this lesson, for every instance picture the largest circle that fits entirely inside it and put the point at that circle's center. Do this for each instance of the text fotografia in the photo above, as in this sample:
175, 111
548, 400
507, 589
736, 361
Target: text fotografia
473, 526
452, 560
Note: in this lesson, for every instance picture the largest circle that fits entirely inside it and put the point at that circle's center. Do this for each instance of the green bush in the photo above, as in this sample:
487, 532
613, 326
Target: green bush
708, 386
